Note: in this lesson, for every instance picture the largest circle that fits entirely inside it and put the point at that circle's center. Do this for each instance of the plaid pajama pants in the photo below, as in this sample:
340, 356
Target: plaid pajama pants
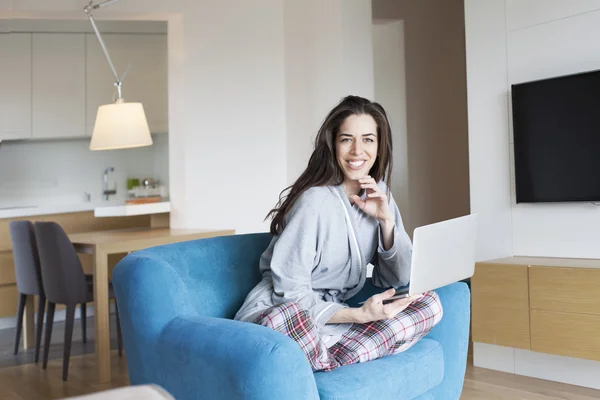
362, 342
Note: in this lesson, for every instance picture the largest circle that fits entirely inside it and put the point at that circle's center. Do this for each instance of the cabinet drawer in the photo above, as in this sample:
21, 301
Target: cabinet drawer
9, 297
572, 290
7, 268
501, 285
572, 335
500, 326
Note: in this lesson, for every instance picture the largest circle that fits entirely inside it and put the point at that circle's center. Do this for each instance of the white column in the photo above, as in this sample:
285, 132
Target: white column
487, 92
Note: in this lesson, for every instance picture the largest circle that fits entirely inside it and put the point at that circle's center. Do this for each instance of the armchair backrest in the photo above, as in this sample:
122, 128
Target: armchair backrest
220, 272
156, 286
216, 274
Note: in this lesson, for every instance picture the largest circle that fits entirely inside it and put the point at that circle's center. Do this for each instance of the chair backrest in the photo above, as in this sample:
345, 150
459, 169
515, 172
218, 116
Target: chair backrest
26, 259
62, 274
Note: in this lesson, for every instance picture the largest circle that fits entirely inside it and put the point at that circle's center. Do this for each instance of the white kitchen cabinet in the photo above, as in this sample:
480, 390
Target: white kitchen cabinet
58, 82
15, 86
146, 81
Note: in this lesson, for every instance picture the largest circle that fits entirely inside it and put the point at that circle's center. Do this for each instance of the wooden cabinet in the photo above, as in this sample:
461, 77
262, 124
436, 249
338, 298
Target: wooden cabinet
547, 305
500, 305
58, 83
15, 83
571, 290
566, 334
53, 83
146, 81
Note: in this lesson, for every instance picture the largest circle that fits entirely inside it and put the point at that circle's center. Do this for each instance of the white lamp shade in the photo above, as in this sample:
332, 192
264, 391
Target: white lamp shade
120, 126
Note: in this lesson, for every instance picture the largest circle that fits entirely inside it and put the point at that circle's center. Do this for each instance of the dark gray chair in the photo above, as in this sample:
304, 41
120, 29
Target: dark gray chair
28, 276
64, 283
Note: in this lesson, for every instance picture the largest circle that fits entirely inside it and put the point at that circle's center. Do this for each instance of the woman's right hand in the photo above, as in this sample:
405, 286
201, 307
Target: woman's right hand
374, 310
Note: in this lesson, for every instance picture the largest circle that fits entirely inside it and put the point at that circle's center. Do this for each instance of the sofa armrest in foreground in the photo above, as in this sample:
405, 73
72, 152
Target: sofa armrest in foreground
214, 358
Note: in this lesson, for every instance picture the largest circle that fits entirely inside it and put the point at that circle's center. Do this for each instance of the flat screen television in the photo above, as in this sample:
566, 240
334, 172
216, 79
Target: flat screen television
556, 127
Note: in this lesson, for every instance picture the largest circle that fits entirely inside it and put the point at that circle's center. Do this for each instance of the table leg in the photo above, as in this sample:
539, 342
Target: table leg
28, 324
101, 315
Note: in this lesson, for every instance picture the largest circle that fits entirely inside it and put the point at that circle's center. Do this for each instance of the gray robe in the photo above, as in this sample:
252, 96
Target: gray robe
315, 260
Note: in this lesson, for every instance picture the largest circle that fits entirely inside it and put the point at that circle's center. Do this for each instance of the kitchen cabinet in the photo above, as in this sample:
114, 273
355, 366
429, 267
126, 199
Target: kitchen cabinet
15, 84
146, 81
58, 85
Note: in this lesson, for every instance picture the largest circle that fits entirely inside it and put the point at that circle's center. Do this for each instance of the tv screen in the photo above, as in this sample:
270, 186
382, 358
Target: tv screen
556, 126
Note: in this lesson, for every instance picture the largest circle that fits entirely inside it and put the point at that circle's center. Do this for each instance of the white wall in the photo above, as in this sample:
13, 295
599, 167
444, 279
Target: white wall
323, 63
488, 125
515, 41
60, 171
390, 92
227, 96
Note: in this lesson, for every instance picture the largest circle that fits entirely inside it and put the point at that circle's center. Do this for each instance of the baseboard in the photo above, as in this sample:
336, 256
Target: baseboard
59, 316
574, 371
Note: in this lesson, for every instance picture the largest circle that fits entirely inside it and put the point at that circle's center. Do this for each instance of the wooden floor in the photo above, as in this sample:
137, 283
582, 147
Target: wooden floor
30, 382
493, 385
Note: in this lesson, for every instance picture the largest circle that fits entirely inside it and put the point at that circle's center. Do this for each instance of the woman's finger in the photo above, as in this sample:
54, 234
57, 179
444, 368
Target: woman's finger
398, 305
366, 178
379, 297
381, 195
390, 310
371, 186
358, 201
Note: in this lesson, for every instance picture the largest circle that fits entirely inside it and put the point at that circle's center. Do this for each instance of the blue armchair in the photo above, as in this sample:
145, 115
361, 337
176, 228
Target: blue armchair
176, 303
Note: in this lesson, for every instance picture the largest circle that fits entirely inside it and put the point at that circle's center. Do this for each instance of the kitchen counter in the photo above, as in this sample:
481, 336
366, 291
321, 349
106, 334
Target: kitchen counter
132, 209
100, 210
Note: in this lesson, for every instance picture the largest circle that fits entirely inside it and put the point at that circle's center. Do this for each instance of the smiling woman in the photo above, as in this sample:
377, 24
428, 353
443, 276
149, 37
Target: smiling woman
335, 146
356, 145
338, 217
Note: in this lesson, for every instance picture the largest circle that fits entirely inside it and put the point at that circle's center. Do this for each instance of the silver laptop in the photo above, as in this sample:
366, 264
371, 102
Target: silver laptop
443, 253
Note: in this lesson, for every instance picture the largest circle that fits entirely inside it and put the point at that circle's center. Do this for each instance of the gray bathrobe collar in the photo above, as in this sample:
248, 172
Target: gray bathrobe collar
359, 264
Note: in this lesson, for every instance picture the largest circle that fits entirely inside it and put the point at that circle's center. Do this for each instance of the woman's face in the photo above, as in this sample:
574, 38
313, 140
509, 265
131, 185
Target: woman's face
356, 146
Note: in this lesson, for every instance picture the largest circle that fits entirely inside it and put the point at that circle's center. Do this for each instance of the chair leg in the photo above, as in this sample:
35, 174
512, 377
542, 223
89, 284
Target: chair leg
20, 311
40, 326
83, 322
119, 334
70, 319
48, 333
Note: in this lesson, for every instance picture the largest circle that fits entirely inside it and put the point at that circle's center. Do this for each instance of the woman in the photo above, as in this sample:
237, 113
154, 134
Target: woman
338, 217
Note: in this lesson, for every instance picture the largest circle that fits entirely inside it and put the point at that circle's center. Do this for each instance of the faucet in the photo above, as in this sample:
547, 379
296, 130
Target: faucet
107, 192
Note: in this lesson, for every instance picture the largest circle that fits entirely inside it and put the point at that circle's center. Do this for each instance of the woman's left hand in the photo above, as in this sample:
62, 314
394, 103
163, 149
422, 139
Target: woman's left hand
376, 201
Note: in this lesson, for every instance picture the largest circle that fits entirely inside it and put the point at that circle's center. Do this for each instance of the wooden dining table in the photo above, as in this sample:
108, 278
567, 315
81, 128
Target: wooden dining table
101, 245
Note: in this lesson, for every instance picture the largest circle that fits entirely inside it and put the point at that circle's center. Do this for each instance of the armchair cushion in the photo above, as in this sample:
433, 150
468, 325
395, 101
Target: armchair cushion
401, 376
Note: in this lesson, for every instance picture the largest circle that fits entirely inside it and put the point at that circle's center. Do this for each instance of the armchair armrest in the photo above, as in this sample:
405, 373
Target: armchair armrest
453, 333
213, 358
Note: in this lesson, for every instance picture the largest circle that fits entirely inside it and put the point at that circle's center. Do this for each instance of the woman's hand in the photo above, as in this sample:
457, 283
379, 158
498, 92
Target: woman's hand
376, 202
376, 205
374, 309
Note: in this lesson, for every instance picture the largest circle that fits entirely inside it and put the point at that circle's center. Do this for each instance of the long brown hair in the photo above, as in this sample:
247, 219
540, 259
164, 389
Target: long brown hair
323, 168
